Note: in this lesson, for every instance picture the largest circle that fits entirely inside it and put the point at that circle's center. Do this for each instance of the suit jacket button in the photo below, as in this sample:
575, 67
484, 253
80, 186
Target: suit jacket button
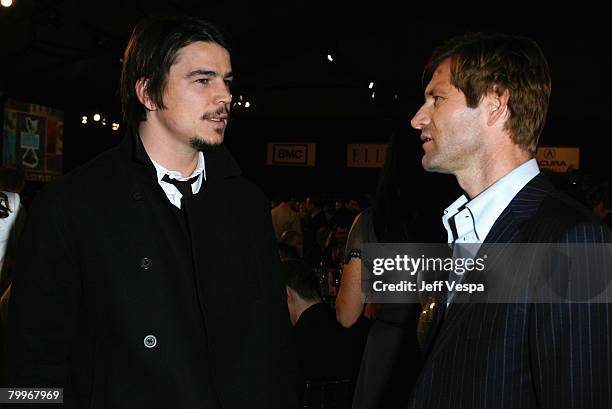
137, 196
146, 263
150, 341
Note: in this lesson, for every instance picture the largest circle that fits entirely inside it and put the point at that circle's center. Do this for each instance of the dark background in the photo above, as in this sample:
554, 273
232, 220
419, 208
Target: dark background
66, 54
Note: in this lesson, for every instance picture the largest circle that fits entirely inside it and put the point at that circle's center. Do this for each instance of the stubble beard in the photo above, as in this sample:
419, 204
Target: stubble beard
201, 143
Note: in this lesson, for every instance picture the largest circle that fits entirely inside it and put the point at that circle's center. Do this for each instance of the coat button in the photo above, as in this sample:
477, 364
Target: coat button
146, 263
150, 341
137, 196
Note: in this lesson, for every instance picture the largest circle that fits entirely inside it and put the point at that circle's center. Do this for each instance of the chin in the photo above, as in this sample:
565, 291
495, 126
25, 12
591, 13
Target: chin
205, 142
427, 165
431, 166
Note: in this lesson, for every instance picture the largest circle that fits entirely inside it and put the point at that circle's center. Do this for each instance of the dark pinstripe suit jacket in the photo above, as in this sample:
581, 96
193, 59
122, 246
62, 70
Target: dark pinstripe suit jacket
524, 355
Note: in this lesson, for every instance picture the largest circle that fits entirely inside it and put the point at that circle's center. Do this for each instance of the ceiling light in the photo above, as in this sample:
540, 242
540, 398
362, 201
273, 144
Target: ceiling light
96, 117
6, 3
329, 57
371, 85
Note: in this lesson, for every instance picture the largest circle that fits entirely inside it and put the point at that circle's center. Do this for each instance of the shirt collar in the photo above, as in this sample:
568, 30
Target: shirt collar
449, 212
488, 205
199, 171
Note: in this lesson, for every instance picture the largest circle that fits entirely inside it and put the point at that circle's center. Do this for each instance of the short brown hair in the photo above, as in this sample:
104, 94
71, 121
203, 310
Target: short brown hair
495, 62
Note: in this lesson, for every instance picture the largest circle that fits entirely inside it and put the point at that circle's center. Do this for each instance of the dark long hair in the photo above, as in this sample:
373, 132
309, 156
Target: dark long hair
391, 215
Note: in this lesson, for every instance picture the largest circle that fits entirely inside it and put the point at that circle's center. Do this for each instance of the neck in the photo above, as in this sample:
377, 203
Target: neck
168, 152
489, 169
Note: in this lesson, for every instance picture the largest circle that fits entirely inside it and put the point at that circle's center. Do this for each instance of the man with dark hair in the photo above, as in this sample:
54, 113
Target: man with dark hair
169, 295
486, 99
323, 348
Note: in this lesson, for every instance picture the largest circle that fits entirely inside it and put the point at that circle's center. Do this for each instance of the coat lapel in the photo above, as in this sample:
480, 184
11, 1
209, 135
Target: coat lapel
506, 229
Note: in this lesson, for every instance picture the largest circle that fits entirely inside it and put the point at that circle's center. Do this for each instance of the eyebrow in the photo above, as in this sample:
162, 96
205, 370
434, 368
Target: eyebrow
209, 73
430, 93
436, 89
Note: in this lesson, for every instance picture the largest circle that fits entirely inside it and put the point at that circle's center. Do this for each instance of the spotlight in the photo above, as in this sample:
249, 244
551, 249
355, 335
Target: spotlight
115, 126
371, 85
247, 104
6, 3
84, 119
96, 117
330, 58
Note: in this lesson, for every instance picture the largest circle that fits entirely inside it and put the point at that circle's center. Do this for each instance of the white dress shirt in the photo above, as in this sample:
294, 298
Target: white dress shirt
172, 193
474, 219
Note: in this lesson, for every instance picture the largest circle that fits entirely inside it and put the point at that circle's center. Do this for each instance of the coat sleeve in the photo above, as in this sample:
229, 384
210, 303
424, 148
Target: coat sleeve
274, 293
43, 311
571, 343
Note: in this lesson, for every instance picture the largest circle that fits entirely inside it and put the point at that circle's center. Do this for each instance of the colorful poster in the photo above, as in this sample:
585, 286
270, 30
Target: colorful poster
32, 139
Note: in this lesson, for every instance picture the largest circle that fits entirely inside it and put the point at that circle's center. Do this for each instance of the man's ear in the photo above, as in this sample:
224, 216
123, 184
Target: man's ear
143, 94
497, 106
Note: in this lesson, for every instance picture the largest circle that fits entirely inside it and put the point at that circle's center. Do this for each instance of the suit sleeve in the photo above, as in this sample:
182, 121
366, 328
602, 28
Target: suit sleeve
43, 311
571, 343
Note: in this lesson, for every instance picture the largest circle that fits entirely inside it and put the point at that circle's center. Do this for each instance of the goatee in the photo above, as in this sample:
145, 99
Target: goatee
202, 145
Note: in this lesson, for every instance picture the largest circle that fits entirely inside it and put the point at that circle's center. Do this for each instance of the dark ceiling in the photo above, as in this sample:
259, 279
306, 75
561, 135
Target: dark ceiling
67, 53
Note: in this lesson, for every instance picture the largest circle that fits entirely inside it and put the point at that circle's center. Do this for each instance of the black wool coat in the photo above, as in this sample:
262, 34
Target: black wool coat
115, 302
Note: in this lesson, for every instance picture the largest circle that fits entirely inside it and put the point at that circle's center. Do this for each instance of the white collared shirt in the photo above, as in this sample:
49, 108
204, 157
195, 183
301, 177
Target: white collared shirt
477, 216
172, 193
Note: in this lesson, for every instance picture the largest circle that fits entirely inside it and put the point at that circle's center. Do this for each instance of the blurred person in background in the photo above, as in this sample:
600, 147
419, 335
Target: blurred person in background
284, 218
12, 219
392, 360
293, 239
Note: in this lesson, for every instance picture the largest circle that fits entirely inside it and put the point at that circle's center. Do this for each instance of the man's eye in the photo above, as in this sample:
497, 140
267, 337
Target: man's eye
202, 80
437, 99
228, 83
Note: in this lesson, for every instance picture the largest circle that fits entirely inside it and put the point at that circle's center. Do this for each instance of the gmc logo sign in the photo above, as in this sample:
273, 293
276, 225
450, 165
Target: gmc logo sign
291, 154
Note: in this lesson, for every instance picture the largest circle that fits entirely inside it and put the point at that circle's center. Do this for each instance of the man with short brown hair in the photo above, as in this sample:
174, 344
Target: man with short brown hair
486, 99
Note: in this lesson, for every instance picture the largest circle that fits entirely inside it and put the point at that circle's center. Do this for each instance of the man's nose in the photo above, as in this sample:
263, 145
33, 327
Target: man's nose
421, 119
224, 96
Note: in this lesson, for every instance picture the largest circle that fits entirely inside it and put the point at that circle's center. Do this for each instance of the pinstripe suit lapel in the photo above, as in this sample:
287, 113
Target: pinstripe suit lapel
506, 229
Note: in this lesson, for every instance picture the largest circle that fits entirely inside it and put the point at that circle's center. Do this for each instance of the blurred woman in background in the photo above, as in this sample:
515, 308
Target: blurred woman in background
392, 359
